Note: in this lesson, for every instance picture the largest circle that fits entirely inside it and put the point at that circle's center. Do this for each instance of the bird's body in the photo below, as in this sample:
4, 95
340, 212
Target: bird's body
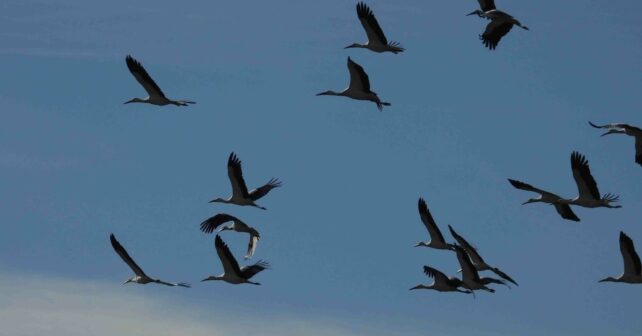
500, 23
140, 277
546, 197
437, 240
232, 272
441, 282
478, 262
629, 130
212, 223
359, 87
588, 193
240, 193
632, 266
377, 40
156, 95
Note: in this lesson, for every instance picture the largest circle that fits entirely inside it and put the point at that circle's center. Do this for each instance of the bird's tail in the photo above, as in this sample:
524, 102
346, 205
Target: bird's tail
396, 47
381, 104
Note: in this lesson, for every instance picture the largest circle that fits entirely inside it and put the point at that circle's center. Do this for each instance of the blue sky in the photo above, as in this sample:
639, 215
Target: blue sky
77, 164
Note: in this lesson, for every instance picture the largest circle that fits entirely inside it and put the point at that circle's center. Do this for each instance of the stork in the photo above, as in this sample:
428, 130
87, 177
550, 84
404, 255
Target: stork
240, 195
546, 197
500, 23
589, 194
436, 238
441, 282
628, 130
359, 87
212, 223
141, 277
477, 260
470, 277
232, 272
632, 267
156, 95
377, 41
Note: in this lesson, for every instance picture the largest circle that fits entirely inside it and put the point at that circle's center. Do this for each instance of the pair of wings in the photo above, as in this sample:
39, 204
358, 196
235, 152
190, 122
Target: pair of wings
239, 188
211, 224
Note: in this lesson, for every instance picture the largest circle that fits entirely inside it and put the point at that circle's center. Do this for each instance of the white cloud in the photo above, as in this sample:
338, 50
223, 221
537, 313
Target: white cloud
33, 305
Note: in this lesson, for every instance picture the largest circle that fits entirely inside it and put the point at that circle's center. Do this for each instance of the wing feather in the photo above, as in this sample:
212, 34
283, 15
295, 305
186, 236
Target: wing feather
230, 265
586, 185
235, 173
370, 25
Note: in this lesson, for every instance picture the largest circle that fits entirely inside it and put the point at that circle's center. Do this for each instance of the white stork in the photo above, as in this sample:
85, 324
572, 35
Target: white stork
141, 277
632, 267
470, 277
437, 240
359, 87
240, 194
377, 41
589, 194
156, 96
441, 282
500, 23
232, 272
476, 259
628, 130
546, 197
212, 223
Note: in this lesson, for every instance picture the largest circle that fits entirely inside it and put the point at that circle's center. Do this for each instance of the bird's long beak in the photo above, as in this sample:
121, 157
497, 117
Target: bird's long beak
206, 279
126, 282
129, 101
472, 13
416, 287
525, 202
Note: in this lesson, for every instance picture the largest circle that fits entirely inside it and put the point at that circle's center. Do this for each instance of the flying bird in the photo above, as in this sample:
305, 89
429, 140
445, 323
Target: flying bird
500, 23
470, 277
589, 194
377, 41
436, 238
156, 96
232, 272
546, 197
628, 130
359, 87
632, 267
441, 282
240, 195
212, 223
476, 259
141, 277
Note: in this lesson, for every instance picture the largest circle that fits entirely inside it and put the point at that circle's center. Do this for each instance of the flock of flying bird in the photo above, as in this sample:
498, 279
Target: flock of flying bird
470, 261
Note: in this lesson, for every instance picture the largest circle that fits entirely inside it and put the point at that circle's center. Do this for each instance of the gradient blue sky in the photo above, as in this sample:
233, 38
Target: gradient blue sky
77, 164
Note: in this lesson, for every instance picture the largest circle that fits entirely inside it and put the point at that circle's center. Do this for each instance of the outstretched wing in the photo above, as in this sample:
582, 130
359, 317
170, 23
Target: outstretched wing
435, 274
494, 32
212, 223
265, 189
487, 5
251, 246
143, 77
180, 284
503, 275
248, 272
469, 273
125, 256
586, 185
235, 173
470, 250
370, 25
566, 212
632, 264
358, 78
638, 150
230, 265
429, 222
